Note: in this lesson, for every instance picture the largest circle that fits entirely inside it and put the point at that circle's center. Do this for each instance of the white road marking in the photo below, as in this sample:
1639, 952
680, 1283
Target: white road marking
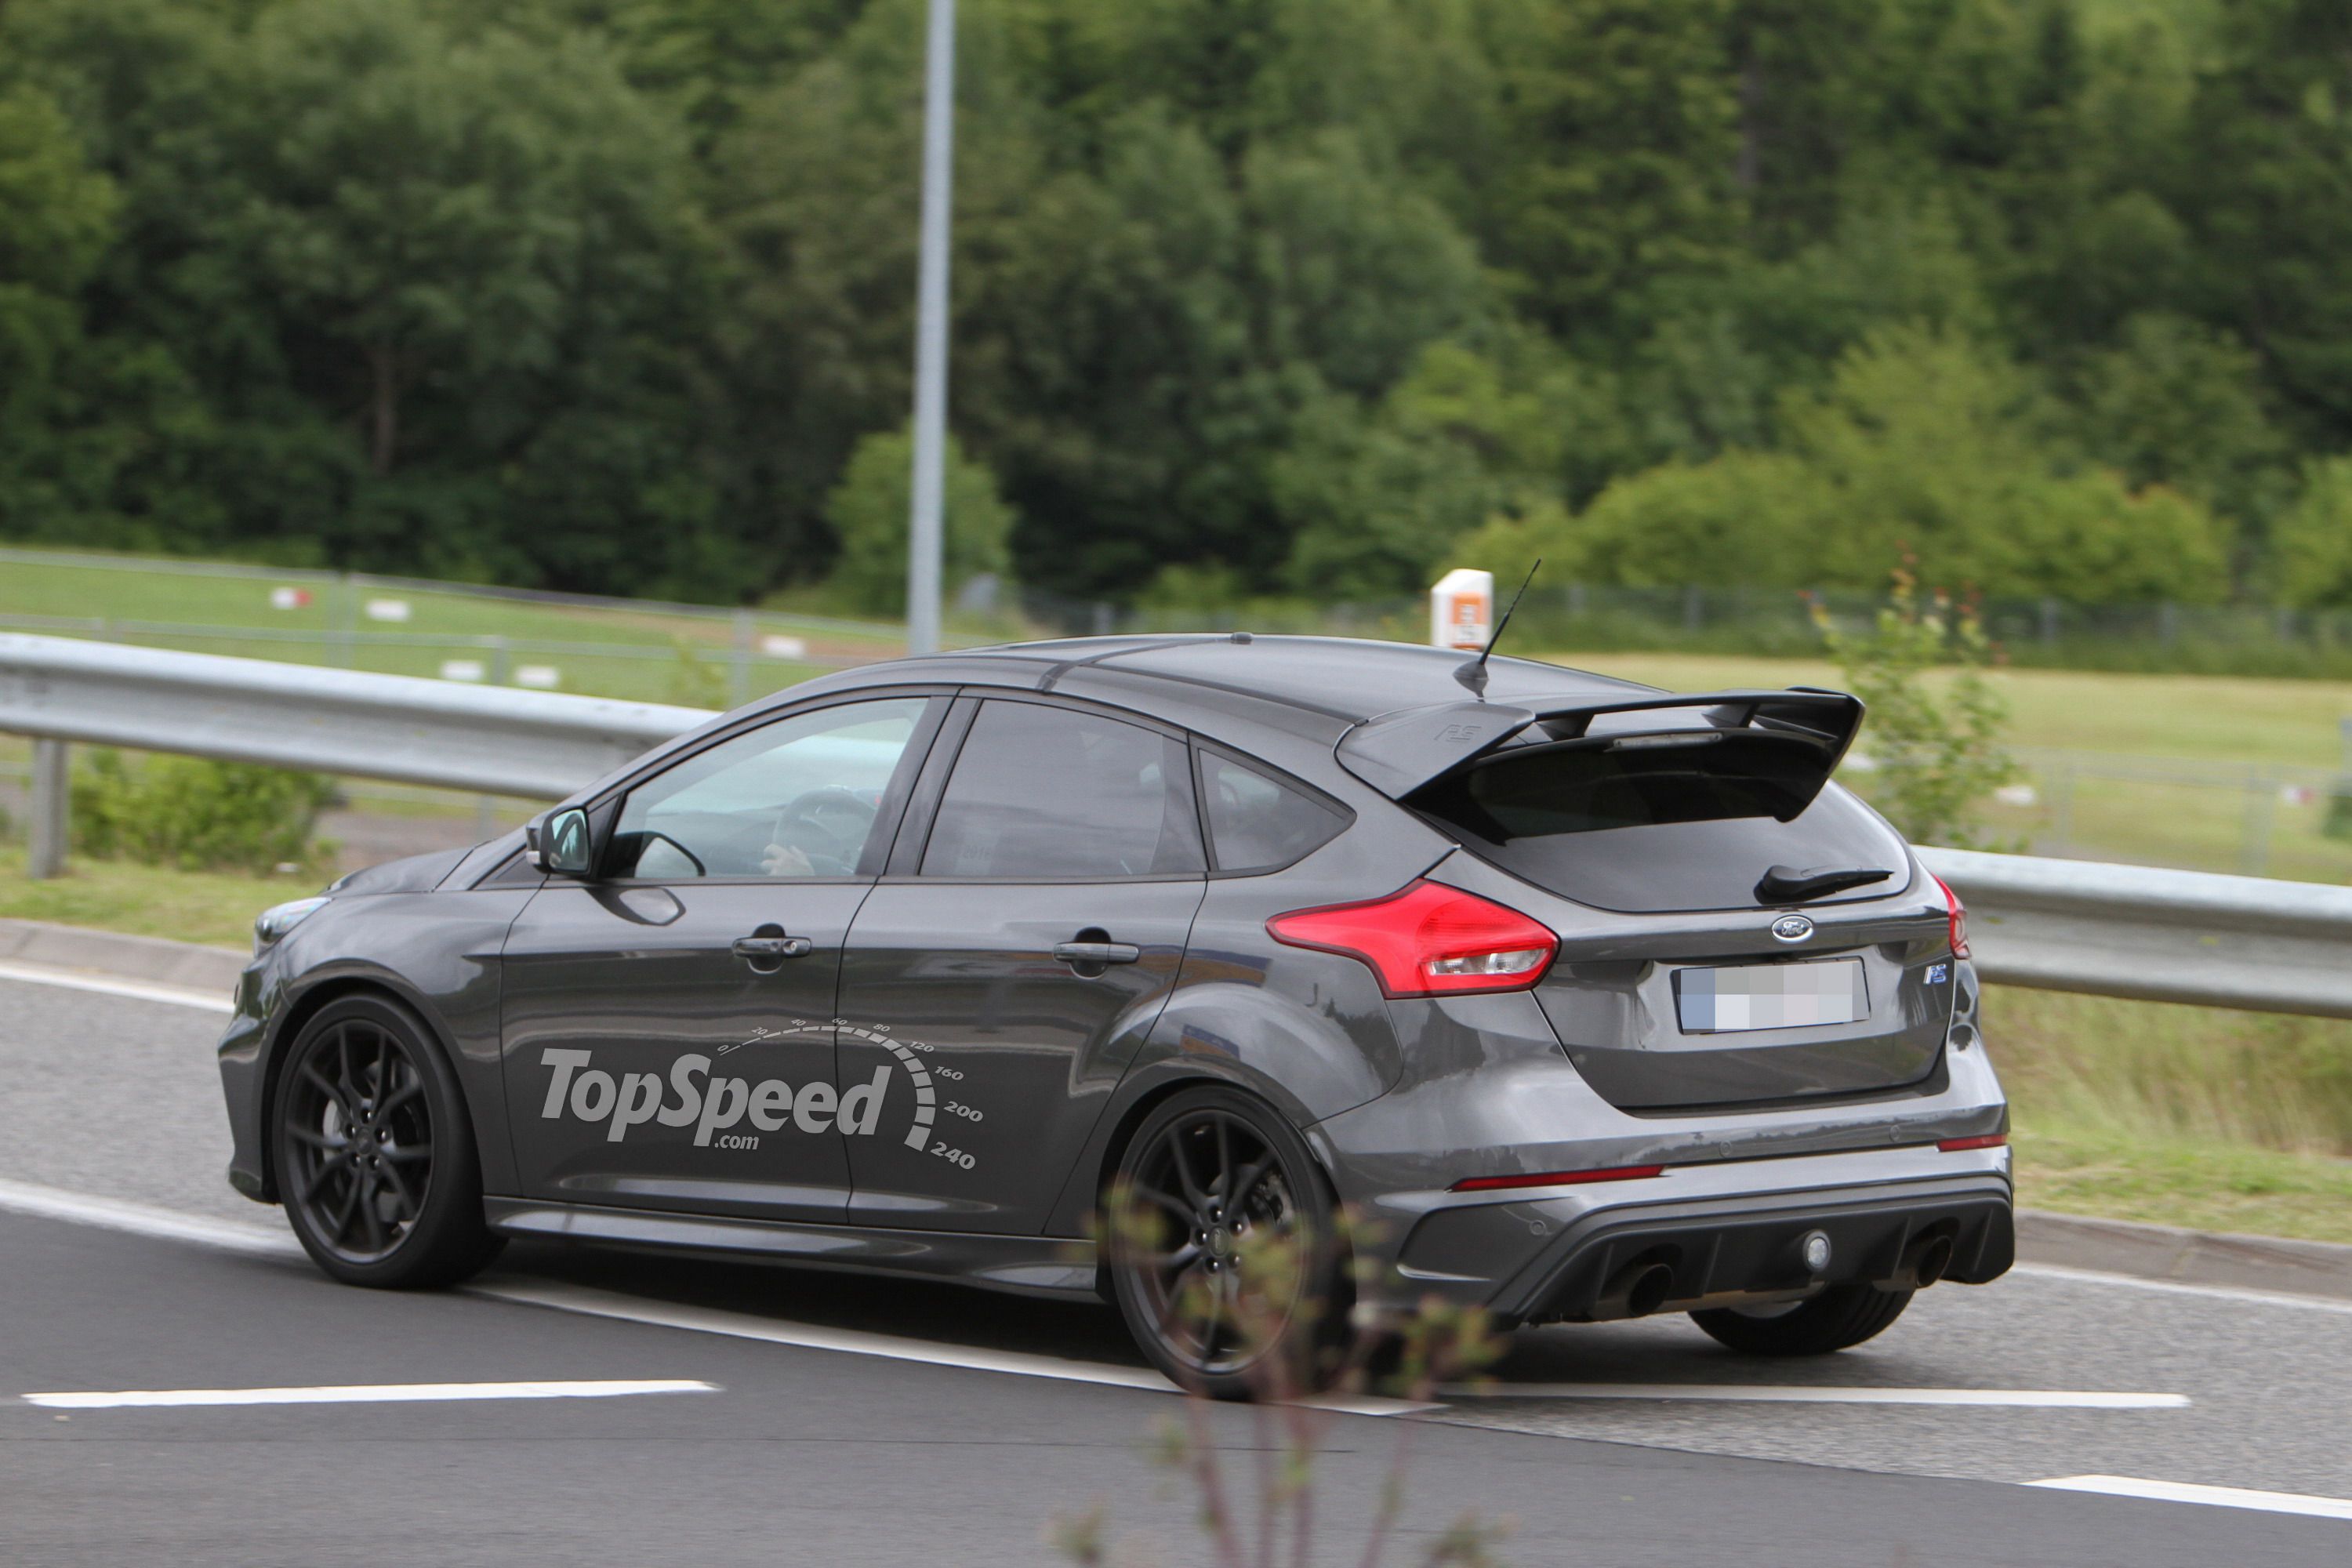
857, 1341
364, 1393
2216, 1496
1765, 1394
136, 990
146, 1219
2181, 1288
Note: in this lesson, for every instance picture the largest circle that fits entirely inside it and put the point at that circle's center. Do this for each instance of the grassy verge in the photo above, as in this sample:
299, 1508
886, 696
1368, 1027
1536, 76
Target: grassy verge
2201, 1184
2190, 1116
208, 906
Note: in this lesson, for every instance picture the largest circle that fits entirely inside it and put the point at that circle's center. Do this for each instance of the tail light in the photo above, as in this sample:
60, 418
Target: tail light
1959, 913
1556, 1179
1428, 939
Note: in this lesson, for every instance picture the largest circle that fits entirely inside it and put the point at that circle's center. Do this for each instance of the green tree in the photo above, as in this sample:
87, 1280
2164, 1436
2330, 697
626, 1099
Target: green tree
1935, 743
2313, 563
433, 293
868, 511
2261, 179
57, 216
1623, 145
2177, 403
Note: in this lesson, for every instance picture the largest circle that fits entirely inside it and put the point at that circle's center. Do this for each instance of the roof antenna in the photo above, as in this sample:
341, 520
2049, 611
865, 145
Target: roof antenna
1474, 674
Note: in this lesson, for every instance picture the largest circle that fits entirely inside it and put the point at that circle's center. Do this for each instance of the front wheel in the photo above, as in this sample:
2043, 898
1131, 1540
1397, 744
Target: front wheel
376, 1164
1840, 1317
1223, 1248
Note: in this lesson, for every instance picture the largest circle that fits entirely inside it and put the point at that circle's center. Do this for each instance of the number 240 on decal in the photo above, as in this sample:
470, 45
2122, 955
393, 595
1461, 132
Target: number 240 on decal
954, 1156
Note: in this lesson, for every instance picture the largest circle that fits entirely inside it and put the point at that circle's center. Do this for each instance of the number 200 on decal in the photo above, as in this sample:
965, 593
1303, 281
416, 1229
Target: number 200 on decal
954, 1156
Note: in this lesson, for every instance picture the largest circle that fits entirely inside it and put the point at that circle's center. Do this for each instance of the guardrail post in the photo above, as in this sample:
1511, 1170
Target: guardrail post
46, 853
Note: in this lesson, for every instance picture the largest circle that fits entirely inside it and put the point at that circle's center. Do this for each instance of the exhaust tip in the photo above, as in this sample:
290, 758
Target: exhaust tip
1935, 1257
1648, 1290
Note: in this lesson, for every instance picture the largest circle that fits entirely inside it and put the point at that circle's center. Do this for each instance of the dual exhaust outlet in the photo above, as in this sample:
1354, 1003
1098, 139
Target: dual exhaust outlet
1646, 1283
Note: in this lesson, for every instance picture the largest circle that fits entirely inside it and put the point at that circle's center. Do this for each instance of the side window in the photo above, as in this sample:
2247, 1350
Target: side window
1042, 792
794, 798
1256, 823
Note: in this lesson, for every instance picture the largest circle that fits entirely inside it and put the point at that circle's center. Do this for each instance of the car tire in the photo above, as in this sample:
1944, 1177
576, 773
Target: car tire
1840, 1317
1193, 1155
375, 1158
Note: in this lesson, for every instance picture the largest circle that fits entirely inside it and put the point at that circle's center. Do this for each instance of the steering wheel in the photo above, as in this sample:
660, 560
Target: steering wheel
829, 826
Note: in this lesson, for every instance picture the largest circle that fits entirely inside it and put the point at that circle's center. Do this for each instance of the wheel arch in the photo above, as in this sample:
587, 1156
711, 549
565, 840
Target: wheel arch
1139, 1096
306, 1004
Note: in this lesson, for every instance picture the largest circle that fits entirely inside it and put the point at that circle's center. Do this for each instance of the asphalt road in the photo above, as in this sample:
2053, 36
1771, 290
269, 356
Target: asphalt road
877, 1454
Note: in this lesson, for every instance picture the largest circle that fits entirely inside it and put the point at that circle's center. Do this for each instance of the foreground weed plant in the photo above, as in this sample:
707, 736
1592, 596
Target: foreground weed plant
1269, 1511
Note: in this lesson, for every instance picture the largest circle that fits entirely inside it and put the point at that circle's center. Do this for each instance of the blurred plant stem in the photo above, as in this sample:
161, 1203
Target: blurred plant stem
1273, 1521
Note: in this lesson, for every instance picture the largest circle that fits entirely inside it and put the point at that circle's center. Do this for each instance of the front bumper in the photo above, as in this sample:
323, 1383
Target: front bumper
1725, 1232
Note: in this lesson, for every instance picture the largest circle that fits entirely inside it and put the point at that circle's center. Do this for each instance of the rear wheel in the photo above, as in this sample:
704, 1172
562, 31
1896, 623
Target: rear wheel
1225, 1259
1840, 1317
375, 1157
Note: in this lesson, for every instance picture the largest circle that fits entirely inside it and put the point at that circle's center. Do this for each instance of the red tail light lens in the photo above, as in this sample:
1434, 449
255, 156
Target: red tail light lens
1982, 1141
1959, 919
1428, 939
1557, 1178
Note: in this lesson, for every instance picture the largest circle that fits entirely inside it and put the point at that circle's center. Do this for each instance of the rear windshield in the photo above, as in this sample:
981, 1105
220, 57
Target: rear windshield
1664, 826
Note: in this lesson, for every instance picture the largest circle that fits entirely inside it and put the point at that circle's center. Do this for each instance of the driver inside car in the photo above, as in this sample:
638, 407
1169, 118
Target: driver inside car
784, 860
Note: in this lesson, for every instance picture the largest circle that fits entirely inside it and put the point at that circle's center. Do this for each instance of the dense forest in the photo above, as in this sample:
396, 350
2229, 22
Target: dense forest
1305, 295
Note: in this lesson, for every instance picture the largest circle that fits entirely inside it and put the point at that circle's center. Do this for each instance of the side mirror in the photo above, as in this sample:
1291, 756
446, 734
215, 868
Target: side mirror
560, 843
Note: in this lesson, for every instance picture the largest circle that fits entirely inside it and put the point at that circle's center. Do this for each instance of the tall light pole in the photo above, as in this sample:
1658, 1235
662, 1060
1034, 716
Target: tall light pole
932, 336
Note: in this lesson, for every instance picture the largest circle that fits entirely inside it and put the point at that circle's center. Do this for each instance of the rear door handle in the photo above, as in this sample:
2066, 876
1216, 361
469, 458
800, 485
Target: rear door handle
773, 947
1098, 952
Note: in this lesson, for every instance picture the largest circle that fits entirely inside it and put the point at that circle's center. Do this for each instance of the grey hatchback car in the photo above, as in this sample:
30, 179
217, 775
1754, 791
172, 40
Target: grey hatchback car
1553, 996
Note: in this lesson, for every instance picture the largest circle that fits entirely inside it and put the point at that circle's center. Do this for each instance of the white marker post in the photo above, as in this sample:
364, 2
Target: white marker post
1462, 610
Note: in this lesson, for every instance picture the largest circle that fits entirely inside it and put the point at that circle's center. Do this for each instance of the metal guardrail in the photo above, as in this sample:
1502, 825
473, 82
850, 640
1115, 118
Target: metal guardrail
493, 740
2157, 934
2065, 925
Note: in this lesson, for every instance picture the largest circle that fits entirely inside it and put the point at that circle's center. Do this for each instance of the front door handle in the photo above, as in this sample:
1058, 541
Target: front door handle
1096, 953
771, 950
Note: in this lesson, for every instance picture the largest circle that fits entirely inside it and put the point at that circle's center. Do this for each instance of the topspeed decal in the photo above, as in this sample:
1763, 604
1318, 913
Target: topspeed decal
710, 1105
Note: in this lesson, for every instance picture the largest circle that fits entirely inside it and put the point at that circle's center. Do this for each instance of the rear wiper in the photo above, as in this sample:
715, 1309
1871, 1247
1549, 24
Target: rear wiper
1787, 885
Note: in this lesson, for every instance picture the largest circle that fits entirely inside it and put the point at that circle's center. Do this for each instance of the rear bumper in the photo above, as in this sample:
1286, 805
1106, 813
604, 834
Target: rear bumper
1725, 1250
1723, 1232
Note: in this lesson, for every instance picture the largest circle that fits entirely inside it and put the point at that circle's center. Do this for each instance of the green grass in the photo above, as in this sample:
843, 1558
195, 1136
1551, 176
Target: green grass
2188, 1116
609, 651
208, 906
2197, 1183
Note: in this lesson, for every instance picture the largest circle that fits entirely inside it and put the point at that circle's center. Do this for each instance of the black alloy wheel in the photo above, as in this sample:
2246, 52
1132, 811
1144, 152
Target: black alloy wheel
1226, 1255
375, 1161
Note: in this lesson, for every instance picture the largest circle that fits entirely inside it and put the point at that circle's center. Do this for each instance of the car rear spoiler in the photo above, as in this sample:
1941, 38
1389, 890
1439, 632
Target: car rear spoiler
1398, 754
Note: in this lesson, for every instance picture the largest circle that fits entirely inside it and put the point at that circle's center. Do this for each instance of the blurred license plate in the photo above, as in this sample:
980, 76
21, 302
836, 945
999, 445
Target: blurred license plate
1770, 997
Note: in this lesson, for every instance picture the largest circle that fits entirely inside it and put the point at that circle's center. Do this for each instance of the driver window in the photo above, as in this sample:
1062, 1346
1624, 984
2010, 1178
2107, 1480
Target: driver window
794, 798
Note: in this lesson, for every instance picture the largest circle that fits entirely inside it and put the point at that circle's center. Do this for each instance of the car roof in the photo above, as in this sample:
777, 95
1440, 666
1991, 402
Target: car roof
1347, 679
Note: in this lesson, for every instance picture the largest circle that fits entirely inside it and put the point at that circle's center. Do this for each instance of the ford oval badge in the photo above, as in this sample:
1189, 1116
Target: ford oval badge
1793, 928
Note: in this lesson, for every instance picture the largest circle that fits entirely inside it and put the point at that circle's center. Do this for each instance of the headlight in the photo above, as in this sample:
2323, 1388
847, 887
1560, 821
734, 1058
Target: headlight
272, 924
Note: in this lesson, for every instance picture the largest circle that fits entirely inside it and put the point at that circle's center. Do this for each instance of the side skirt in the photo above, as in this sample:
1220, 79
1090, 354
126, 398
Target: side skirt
1058, 1266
